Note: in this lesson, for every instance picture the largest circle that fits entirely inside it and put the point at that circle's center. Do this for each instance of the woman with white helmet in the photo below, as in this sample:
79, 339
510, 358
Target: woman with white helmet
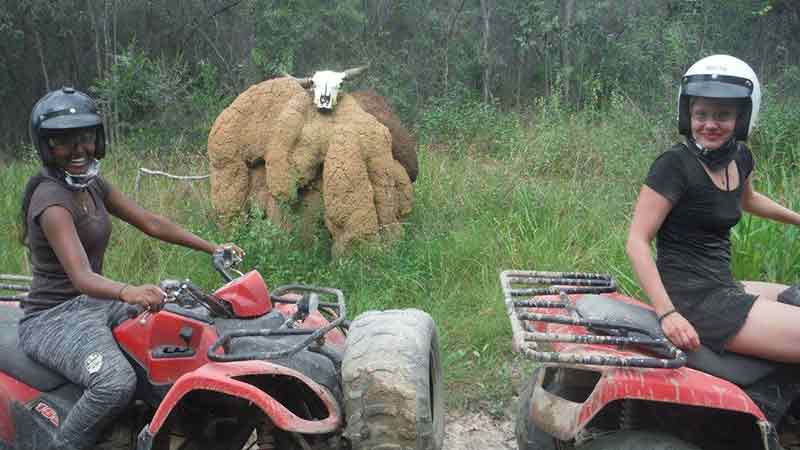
693, 195
71, 307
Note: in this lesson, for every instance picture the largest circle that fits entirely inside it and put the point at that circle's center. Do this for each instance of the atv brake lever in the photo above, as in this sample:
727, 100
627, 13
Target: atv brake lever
224, 260
215, 305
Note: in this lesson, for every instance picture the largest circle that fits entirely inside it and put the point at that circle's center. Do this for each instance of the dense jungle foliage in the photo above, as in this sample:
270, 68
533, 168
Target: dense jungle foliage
176, 63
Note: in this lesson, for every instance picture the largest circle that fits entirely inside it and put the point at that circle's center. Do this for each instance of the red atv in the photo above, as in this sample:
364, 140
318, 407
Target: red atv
245, 368
611, 380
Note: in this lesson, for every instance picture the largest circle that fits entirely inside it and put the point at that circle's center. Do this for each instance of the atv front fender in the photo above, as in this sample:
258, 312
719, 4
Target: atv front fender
221, 377
563, 419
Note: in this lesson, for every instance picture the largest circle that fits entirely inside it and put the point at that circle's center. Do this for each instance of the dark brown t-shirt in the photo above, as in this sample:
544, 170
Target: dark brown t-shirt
51, 285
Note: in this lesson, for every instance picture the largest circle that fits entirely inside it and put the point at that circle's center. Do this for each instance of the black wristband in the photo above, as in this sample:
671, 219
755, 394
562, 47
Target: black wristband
663, 316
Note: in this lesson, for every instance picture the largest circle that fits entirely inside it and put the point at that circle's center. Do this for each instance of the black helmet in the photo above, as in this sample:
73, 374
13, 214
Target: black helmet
61, 110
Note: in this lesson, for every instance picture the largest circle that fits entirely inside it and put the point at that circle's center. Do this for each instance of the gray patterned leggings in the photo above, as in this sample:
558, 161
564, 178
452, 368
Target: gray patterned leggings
74, 339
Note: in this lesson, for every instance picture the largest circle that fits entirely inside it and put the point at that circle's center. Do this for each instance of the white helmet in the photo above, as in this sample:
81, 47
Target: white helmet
721, 76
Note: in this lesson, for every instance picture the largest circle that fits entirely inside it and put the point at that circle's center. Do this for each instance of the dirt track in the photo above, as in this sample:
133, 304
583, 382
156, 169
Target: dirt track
478, 431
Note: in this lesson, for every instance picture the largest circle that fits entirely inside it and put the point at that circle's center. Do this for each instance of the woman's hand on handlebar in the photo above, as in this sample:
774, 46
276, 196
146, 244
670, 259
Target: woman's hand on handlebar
232, 247
148, 296
680, 332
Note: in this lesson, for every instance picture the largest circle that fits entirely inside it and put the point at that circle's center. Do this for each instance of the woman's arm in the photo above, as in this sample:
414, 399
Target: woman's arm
59, 229
649, 213
153, 224
760, 205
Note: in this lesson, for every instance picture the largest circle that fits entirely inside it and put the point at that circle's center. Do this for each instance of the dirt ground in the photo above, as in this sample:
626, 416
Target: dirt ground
478, 431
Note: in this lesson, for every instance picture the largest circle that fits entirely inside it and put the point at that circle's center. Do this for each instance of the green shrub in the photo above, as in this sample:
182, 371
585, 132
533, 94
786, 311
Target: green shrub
160, 103
778, 134
470, 127
138, 88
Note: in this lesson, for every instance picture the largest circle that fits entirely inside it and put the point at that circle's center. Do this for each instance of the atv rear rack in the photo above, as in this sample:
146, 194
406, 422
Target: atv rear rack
14, 287
306, 306
532, 284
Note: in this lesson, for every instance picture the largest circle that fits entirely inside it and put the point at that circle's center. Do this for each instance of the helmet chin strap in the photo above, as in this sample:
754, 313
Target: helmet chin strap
714, 159
79, 182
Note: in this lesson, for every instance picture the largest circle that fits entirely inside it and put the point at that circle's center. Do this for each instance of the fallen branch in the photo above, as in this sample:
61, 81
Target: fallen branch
144, 171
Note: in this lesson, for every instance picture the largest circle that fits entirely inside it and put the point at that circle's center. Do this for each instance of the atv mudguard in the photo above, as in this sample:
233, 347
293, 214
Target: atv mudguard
222, 378
563, 418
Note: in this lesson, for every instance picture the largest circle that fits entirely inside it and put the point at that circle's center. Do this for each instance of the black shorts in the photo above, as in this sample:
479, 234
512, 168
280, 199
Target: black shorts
719, 315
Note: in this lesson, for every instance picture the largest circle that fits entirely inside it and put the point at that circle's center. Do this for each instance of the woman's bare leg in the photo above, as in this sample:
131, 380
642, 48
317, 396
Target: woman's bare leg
771, 331
764, 291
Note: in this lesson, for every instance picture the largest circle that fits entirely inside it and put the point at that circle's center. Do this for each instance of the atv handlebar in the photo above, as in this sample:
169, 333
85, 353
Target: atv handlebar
224, 260
312, 334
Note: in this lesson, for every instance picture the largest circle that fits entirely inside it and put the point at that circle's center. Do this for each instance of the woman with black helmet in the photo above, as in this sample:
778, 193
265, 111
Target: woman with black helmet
693, 195
71, 307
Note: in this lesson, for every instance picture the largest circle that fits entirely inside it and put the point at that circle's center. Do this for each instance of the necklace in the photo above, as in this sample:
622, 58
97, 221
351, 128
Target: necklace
83, 201
721, 178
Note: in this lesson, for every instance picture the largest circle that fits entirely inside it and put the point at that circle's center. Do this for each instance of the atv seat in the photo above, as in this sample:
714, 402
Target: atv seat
736, 368
15, 363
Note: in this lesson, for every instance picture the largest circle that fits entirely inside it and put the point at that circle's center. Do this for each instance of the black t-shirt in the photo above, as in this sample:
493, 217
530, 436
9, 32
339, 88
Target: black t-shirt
51, 285
693, 244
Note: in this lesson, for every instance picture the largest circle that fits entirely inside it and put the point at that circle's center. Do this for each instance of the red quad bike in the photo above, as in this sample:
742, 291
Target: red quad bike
610, 379
245, 369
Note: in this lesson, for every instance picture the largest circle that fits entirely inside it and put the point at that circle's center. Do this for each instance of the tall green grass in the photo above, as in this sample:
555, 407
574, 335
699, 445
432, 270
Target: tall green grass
547, 189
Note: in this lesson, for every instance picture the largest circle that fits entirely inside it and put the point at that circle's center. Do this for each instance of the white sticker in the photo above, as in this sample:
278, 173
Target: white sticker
93, 362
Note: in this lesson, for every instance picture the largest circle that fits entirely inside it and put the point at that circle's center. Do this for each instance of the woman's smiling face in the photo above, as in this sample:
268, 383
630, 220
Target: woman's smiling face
713, 121
74, 150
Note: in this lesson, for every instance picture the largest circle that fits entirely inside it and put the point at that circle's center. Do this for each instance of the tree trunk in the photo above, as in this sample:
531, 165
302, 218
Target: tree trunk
111, 120
520, 64
40, 49
451, 27
486, 15
76, 58
566, 17
98, 55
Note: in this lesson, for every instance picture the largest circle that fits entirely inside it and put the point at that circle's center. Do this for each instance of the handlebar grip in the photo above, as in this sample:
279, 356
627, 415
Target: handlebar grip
222, 260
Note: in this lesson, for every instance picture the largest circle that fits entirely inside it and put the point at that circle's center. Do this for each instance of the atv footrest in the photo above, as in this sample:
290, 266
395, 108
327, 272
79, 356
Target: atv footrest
172, 351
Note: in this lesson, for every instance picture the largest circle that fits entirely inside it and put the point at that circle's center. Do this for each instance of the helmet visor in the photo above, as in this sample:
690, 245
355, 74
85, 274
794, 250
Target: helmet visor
717, 86
70, 118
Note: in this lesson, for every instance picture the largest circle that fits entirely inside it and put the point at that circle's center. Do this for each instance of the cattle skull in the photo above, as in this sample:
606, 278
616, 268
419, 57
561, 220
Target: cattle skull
326, 84
326, 88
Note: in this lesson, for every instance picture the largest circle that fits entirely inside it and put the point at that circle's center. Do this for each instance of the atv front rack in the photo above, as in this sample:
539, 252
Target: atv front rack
305, 306
14, 287
522, 289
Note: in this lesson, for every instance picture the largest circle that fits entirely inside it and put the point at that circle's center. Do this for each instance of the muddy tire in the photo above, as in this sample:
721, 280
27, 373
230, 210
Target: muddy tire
637, 440
529, 436
392, 382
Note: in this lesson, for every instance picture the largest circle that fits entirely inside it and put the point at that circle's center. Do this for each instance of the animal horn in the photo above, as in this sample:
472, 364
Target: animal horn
355, 71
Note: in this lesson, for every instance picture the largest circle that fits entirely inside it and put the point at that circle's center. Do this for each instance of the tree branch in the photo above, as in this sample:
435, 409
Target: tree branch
200, 22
